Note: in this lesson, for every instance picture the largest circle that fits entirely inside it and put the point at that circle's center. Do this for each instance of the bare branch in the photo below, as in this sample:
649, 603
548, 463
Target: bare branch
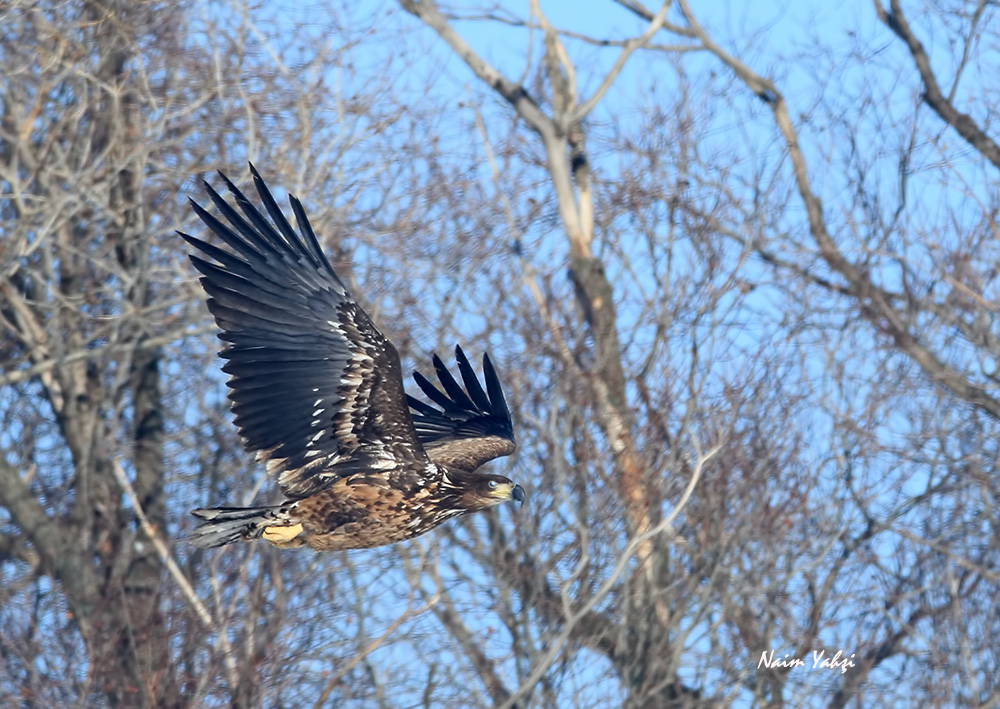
630, 46
38, 527
943, 106
428, 12
570, 34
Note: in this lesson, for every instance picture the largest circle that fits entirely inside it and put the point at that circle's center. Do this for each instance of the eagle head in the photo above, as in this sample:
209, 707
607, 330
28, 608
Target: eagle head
477, 491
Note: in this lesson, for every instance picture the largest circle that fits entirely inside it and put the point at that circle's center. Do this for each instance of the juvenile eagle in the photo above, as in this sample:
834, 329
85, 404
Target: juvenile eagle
317, 393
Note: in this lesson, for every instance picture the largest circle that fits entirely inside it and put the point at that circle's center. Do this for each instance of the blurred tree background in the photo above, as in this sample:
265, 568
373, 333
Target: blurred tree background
738, 270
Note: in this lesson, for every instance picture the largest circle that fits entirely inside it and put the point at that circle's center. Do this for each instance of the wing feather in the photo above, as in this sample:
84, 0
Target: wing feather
306, 228
316, 389
457, 395
471, 426
435, 394
472, 382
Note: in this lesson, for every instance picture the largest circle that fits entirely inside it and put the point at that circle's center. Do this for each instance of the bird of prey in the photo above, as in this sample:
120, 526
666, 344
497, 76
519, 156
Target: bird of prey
317, 393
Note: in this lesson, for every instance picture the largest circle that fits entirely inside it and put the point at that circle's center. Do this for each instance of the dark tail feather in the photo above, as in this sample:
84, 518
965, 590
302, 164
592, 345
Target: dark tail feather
225, 525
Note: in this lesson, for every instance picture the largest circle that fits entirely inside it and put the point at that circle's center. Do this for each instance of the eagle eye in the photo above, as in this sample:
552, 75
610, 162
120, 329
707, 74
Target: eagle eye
493, 484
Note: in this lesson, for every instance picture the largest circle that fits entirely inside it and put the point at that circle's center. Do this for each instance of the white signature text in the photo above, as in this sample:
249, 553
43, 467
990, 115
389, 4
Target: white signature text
819, 661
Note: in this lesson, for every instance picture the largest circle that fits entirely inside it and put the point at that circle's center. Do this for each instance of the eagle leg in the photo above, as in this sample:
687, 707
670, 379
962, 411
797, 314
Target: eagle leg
283, 536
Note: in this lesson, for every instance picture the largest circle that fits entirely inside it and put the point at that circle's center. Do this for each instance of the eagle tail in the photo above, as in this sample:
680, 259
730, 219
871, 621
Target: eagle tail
225, 525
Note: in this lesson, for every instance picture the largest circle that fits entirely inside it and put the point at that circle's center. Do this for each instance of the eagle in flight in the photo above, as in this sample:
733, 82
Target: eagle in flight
317, 394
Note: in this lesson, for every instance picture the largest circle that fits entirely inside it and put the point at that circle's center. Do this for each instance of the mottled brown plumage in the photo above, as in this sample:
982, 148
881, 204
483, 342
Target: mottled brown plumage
317, 394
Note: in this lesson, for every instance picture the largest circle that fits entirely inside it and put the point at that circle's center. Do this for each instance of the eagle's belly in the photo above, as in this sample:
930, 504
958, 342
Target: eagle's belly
360, 535
362, 512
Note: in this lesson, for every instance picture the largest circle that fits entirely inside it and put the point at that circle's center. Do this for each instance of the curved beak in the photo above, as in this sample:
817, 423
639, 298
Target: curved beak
518, 494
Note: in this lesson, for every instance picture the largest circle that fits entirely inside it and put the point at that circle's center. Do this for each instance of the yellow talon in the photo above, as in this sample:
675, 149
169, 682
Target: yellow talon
283, 536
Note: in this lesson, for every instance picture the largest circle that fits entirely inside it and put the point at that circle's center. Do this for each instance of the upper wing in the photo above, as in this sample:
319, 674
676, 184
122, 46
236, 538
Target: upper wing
316, 389
471, 427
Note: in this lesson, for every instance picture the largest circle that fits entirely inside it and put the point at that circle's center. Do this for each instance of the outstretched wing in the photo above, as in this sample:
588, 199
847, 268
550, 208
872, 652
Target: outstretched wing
316, 389
471, 426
